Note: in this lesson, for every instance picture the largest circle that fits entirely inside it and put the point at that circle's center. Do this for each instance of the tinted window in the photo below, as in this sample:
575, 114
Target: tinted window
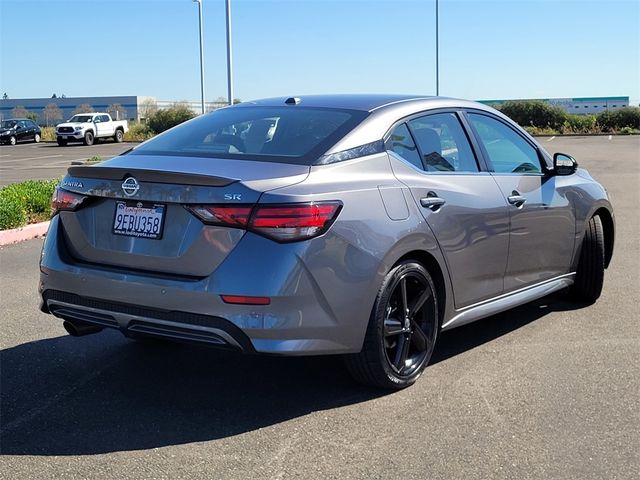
508, 152
283, 134
104, 118
400, 142
443, 143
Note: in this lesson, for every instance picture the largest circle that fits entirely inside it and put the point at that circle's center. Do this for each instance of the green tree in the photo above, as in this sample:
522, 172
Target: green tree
534, 113
32, 116
170, 117
5, 96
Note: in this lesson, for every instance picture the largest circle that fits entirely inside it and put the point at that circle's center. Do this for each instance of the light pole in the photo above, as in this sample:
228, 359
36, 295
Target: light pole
199, 2
437, 55
229, 59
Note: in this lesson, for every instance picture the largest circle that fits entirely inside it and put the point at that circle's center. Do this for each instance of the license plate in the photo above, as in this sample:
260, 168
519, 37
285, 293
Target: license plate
64, 137
139, 220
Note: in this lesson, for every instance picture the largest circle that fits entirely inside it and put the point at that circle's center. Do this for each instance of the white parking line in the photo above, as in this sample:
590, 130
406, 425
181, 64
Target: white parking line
551, 138
38, 158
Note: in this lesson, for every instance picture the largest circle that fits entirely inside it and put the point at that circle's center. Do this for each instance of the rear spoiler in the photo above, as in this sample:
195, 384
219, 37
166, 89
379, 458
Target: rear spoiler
146, 175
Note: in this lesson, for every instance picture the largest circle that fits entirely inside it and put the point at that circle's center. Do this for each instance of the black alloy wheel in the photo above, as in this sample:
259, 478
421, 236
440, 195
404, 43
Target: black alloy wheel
402, 330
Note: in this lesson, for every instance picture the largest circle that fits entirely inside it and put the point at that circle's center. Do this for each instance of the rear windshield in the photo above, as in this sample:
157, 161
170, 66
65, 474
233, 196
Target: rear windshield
290, 134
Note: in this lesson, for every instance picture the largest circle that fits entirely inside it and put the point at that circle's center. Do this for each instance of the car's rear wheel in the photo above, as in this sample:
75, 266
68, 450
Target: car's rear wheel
12, 140
37, 138
88, 138
590, 275
402, 330
119, 136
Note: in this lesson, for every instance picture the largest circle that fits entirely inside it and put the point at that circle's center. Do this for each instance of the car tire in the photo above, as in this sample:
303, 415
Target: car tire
590, 273
396, 350
62, 143
36, 138
12, 140
119, 136
88, 139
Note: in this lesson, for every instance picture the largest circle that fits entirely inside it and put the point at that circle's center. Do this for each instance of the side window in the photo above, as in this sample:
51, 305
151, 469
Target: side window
443, 143
104, 118
508, 152
401, 143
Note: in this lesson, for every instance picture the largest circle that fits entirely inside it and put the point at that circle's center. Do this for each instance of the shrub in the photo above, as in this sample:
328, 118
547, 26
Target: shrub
579, 124
534, 114
170, 117
33, 198
12, 215
48, 134
536, 131
138, 132
619, 119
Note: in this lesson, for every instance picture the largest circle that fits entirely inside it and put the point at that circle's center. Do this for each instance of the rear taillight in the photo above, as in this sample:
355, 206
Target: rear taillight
223, 215
65, 200
283, 223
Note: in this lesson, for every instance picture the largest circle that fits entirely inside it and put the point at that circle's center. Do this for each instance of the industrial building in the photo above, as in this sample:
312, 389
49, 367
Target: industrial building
123, 107
132, 107
579, 105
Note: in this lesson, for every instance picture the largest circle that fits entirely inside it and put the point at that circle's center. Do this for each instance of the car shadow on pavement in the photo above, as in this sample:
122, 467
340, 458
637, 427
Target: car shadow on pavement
103, 393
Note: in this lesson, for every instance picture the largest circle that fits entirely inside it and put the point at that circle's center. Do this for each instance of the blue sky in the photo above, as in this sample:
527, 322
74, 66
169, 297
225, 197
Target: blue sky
488, 49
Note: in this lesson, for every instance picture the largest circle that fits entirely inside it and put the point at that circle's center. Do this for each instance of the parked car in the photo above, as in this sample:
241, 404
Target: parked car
359, 225
16, 130
87, 127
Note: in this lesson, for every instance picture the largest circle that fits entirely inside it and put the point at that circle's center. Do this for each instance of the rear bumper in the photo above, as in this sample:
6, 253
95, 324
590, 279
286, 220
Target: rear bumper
302, 318
133, 320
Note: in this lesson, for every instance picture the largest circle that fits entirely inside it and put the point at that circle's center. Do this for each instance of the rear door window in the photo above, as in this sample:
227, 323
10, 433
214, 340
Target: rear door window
401, 143
443, 144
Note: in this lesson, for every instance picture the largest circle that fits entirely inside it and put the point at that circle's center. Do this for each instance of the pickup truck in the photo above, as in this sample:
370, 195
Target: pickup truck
87, 127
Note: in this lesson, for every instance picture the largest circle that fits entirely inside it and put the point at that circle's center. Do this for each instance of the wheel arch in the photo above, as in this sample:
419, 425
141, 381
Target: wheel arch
429, 262
608, 227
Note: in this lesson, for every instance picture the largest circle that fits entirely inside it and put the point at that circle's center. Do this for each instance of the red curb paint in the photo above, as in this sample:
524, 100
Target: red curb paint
15, 235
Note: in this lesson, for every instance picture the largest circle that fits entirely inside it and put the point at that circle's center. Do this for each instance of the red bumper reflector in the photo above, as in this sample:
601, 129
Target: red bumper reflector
244, 300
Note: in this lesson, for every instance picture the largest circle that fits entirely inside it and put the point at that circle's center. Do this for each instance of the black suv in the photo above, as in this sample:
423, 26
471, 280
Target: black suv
17, 130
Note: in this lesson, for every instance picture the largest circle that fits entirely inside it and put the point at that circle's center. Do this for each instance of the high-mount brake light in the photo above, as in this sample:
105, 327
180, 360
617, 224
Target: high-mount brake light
281, 222
65, 200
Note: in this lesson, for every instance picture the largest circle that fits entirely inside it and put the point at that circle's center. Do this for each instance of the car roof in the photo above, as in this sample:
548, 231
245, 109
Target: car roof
363, 102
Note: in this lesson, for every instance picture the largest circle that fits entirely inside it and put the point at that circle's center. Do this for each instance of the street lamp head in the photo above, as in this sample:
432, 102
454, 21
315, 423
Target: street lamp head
197, 1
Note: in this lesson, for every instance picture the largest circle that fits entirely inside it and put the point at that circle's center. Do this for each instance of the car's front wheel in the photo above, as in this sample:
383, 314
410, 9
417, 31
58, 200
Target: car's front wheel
590, 275
402, 330
88, 138
12, 140
37, 138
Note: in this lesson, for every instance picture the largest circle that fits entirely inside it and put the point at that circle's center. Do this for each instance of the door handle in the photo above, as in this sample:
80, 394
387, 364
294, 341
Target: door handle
432, 201
516, 199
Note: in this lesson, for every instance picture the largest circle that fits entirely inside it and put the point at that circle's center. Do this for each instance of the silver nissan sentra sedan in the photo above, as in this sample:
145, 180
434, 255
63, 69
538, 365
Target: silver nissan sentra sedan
360, 225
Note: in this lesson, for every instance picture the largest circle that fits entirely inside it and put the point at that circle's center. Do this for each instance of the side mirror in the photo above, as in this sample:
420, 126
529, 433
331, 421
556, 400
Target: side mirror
564, 164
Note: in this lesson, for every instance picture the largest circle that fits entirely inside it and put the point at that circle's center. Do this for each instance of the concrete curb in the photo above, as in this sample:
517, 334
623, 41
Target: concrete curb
16, 235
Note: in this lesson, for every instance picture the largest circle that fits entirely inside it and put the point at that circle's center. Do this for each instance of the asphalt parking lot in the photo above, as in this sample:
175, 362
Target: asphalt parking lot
546, 391
47, 160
